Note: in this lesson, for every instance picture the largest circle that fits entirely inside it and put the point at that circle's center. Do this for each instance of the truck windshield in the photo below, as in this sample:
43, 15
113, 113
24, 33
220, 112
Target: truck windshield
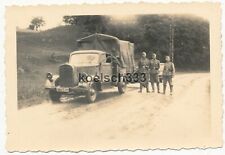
84, 59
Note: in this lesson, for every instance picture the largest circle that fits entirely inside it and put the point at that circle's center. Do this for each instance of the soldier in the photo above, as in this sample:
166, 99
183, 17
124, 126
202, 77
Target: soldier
154, 72
143, 66
168, 74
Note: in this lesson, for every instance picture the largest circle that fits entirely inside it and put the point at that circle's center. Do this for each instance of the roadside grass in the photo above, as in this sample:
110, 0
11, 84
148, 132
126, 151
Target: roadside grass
30, 82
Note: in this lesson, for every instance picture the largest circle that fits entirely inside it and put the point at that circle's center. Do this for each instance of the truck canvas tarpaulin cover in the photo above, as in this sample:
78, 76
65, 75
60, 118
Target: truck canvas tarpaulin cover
111, 45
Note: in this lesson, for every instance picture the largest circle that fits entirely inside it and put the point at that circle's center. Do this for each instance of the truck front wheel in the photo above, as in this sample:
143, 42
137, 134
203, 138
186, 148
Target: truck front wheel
54, 96
91, 94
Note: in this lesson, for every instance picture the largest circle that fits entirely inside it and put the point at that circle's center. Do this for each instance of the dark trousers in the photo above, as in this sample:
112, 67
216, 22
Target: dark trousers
167, 79
144, 81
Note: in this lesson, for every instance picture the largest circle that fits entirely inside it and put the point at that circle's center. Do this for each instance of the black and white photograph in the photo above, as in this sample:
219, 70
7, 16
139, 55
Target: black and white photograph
114, 81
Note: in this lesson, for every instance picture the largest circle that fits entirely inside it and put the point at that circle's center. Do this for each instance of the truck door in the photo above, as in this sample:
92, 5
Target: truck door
106, 70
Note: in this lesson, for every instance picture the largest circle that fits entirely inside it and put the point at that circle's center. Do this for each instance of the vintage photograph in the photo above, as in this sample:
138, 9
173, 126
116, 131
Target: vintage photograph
114, 81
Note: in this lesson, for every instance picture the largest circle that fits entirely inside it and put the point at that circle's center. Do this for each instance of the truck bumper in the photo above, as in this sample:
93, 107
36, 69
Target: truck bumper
69, 90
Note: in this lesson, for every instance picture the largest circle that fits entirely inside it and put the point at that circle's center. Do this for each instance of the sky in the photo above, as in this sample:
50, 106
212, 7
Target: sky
53, 15
56, 20
52, 21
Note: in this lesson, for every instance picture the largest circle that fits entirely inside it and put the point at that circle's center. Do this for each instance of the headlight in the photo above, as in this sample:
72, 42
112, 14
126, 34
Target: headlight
89, 78
49, 76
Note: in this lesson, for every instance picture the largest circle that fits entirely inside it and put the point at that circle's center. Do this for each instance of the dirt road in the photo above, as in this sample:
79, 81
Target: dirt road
129, 121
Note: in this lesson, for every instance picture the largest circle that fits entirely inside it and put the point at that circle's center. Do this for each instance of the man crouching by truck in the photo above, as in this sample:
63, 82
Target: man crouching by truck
168, 74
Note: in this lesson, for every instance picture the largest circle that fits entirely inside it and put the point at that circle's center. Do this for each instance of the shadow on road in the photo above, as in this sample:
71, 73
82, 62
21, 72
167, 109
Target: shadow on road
77, 101
106, 96
101, 97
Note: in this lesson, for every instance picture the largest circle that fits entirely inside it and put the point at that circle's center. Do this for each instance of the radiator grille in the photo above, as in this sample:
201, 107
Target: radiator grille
66, 76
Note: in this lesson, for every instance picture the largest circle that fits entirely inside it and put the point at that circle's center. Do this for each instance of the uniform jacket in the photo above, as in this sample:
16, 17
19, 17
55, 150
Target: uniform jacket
169, 69
143, 64
154, 66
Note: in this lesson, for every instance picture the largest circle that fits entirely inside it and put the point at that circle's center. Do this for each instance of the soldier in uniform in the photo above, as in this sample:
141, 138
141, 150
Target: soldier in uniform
168, 74
143, 66
154, 72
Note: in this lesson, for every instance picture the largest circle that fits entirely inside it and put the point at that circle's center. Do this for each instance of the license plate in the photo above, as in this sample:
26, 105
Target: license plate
62, 89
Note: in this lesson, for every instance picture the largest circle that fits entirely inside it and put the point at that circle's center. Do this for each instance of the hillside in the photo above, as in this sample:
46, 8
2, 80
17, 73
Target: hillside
34, 52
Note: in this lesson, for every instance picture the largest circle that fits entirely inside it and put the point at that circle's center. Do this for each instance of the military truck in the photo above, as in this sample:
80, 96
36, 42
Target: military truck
101, 61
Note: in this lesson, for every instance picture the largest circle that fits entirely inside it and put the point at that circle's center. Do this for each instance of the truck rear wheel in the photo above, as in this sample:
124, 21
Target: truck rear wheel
54, 95
91, 95
121, 87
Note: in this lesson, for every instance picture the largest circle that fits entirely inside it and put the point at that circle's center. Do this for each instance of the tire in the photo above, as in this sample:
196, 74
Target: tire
91, 95
54, 96
121, 87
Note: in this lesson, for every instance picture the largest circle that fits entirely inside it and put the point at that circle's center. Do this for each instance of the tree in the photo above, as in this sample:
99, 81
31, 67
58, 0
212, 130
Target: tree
37, 22
70, 20
93, 24
31, 27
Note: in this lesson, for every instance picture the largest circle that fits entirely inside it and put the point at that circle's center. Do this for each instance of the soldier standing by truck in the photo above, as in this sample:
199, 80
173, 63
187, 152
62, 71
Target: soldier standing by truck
154, 72
143, 66
168, 74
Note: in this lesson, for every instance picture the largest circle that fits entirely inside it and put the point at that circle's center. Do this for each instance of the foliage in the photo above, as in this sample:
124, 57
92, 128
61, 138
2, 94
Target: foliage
70, 20
92, 24
36, 23
151, 33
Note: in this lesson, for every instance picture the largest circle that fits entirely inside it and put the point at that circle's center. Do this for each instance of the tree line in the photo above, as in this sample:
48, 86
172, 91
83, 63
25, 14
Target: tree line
151, 33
